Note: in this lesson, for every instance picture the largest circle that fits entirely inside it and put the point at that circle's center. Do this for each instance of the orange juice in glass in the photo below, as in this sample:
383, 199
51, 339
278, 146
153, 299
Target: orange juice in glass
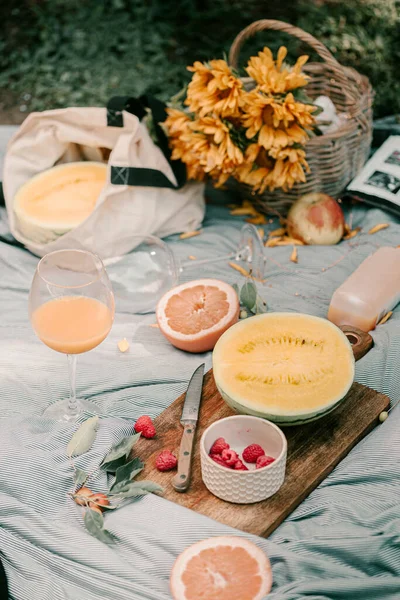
71, 306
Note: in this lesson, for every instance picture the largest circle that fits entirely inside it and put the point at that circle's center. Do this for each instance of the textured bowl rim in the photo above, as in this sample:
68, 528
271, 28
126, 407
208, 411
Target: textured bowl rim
241, 417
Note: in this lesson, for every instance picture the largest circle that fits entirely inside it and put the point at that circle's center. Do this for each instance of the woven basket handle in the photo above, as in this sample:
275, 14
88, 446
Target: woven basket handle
265, 24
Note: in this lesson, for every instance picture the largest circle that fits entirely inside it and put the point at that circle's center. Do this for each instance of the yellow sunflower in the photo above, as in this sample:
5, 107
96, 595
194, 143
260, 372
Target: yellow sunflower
219, 133
275, 125
177, 122
214, 89
285, 174
300, 112
207, 148
255, 168
189, 150
272, 76
279, 168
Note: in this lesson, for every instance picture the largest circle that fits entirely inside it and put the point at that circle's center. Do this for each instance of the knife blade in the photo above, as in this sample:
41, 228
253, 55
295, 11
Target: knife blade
190, 413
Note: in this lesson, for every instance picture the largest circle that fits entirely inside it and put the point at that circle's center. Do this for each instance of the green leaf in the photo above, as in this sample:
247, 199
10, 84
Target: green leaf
111, 467
317, 111
79, 477
248, 295
123, 448
83, 438
260, 306
126, 473
137, 488
94, 523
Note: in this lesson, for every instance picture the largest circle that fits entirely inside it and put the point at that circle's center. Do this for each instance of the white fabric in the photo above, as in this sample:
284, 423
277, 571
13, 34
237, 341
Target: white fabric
47, 138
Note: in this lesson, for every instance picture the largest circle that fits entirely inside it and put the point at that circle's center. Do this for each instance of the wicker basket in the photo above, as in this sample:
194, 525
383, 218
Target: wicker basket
334, 158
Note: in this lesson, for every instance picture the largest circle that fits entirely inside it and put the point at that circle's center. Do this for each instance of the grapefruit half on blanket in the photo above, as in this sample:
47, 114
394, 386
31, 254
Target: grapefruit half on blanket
221, 568
194, 315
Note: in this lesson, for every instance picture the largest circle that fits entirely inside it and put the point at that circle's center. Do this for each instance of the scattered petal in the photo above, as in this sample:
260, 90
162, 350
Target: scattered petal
378, 227
239, 269
189, 234
385, 317
286, 241
277, 232
154, 325
258, 220
271, 243
123, 345
244, 212
352, 233
191, 257
293, 256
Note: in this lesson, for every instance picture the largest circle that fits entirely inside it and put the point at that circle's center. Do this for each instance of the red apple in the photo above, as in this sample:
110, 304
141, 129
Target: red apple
316, 219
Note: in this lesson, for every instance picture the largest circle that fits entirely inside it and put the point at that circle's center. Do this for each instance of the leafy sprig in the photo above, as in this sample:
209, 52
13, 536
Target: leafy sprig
116, 462
250, 300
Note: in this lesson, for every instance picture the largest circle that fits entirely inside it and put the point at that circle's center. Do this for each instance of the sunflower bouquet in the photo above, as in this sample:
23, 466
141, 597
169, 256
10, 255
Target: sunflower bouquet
252, 129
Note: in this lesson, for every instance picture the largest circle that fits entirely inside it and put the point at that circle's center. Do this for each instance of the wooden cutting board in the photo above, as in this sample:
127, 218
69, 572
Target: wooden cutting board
313, 451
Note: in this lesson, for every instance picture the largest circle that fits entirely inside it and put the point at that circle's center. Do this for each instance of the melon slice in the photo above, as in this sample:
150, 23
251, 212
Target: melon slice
286, 367
58, 200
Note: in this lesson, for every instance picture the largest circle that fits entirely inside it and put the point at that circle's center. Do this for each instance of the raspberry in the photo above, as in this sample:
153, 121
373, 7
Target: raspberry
264, 461
217, 458
239, 466
166, 461
230, 457
219, 445
252, 452
144, 425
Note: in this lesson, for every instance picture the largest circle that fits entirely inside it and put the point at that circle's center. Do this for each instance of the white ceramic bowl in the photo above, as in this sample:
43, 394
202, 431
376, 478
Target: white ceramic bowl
244, 487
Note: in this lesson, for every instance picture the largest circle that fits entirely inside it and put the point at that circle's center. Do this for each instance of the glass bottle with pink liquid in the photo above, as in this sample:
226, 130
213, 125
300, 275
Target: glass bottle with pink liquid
71, 307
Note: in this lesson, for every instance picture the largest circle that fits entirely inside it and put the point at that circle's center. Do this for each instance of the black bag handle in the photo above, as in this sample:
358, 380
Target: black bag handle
141, 176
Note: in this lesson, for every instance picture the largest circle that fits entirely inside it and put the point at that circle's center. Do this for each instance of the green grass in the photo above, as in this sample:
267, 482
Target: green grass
69, 52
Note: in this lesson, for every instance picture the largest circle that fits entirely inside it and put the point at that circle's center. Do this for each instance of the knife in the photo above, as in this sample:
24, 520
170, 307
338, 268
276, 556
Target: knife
190, 413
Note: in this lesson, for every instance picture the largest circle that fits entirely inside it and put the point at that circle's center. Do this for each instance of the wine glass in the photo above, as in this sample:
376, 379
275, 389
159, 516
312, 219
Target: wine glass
71, 308
250, 252
141, 277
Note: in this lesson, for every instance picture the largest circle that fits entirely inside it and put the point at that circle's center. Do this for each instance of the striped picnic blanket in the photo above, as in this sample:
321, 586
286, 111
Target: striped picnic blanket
342, 543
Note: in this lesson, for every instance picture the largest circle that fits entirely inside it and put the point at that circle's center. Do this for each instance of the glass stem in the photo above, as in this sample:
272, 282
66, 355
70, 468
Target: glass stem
72, 404
206, 261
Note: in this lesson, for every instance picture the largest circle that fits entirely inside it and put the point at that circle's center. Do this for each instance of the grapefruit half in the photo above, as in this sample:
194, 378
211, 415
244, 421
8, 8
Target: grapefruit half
221, 568
194, 315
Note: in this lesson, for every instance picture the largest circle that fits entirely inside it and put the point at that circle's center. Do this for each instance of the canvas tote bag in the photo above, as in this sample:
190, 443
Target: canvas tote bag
145, 192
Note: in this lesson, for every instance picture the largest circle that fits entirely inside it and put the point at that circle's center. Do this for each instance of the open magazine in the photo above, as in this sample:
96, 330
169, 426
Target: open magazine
379, 181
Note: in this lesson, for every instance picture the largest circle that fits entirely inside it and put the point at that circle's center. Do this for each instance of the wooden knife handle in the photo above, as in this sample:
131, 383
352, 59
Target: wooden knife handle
181, 480
360, 341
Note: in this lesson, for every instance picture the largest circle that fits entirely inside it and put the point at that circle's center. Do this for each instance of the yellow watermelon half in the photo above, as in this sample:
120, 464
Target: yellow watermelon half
58, 199
286, 367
